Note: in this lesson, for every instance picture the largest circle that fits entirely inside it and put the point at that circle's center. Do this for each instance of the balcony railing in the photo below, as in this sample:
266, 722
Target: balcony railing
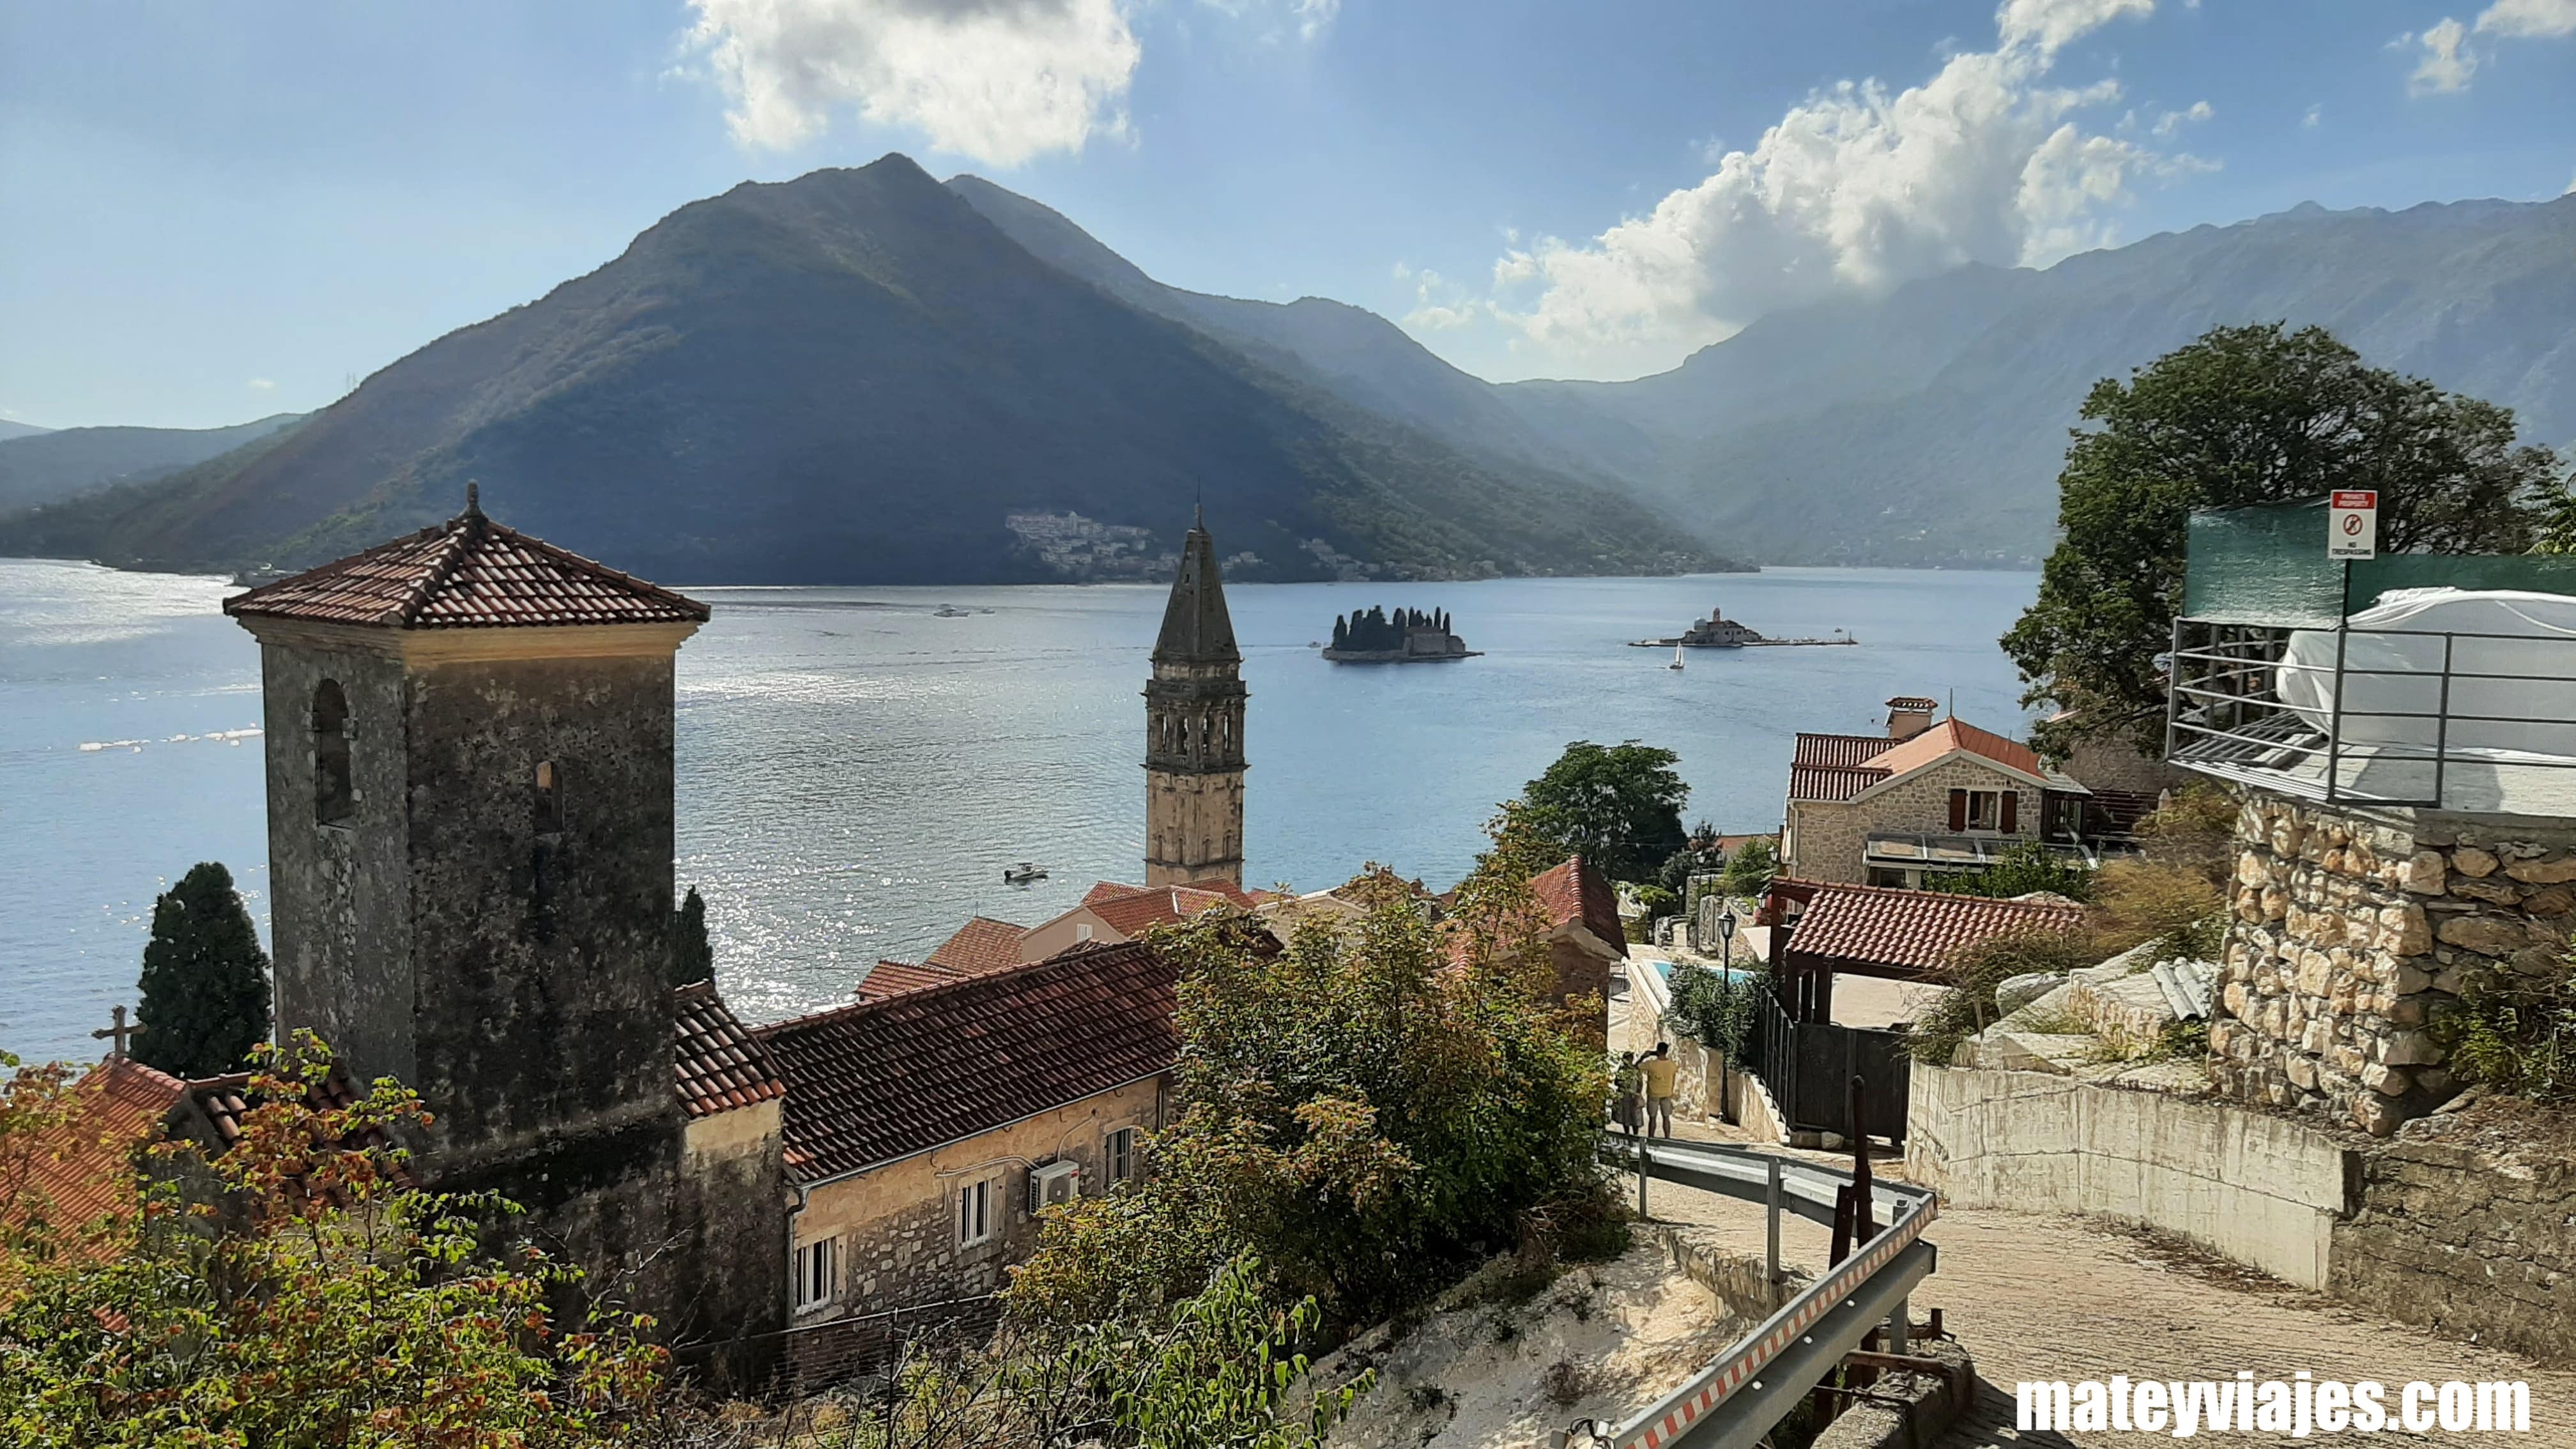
2455, 720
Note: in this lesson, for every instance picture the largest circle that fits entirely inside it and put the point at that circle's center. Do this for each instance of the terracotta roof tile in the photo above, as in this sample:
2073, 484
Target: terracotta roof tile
225, 1100
1952, 734
1130, 915
466, 573
85, 1168
892, 978
1839, 751
1831, 782
1574, 891
982, 944
717, 1062
1903, 932
881, 1080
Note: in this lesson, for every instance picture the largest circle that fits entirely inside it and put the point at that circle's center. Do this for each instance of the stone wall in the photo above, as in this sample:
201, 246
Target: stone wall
2464, 1245
733, 1275
2351, 930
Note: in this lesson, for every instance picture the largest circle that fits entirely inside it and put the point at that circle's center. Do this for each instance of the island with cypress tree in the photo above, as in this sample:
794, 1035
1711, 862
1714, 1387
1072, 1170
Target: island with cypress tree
1406, 636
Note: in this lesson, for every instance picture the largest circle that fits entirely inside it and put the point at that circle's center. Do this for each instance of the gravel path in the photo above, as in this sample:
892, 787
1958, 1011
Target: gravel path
2043, 1297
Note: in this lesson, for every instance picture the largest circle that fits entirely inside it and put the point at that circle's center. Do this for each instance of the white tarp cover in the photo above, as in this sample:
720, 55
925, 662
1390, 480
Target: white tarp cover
2512, 674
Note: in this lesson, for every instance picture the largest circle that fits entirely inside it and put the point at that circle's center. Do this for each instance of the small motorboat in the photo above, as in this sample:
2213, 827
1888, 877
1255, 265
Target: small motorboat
1022, 873
948, 611
1677, 658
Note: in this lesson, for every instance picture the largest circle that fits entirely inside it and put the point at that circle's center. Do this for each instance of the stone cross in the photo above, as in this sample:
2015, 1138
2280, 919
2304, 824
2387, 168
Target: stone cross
115, 1034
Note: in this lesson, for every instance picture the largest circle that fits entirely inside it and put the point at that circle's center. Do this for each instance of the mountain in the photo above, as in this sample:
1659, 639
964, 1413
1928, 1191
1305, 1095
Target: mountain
1927, 426
10, 430
856, 377
41, 466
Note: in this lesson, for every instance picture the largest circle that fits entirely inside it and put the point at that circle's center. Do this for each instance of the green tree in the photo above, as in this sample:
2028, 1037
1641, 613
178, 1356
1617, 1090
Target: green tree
2242, 415
2024, 867
205, 979
1617, 806
1749, 870
693, 956
1370, 1112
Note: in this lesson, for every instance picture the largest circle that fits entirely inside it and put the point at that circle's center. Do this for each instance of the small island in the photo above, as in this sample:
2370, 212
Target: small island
1410, 637
1720, 632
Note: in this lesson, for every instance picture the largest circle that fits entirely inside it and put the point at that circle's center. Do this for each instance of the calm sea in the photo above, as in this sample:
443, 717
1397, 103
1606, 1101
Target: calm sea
855, 771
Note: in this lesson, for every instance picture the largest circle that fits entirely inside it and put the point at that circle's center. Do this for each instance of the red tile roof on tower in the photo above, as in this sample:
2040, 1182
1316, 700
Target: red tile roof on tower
881, 1080
1953, 734
716, 1061
1575, 892
1877, 931
893, 978
466, 573
982, 944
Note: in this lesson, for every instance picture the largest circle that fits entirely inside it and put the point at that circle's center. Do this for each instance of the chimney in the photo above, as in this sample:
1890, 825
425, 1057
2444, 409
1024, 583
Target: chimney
1909, 715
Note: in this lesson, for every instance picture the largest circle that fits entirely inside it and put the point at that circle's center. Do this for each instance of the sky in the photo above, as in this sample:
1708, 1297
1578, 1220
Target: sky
214, 211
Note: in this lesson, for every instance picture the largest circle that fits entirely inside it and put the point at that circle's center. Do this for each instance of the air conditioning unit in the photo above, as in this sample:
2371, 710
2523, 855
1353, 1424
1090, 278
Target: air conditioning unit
1054, 1183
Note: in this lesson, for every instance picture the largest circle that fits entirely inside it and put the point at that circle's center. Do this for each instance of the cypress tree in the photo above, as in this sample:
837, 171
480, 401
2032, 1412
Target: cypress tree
205, 979
693, 956
1341, 632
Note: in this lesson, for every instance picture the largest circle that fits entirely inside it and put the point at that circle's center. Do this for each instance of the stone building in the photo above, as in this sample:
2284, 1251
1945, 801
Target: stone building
1583, 936
470, 821
924, 1131
1926, 798
1194, 731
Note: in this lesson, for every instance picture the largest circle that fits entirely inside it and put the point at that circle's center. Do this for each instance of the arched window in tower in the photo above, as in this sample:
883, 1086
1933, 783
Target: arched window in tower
549, 799
333, 799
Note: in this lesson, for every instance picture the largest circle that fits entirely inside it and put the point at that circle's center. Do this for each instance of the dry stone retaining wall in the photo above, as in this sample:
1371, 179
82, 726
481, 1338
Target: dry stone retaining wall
2352, 931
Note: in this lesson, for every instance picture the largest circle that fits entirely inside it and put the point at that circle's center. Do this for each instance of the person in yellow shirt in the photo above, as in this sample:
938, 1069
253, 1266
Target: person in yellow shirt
1661, 1074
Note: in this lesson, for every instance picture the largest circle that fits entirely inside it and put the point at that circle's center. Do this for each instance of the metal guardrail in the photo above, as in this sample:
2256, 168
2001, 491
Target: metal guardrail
1725, 1405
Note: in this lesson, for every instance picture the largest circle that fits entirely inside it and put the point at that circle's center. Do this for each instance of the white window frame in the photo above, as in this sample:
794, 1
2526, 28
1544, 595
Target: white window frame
1994, 802
980, 1206
1121, 1156
815, 1274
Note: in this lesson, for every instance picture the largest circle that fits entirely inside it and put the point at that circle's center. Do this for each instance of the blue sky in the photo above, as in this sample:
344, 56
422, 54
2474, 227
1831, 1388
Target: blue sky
210, 212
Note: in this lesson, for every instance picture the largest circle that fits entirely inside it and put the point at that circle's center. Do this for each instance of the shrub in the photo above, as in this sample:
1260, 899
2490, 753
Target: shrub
2137, 901
2025, 867
1712, 1010
2515, 1033
1968, 1006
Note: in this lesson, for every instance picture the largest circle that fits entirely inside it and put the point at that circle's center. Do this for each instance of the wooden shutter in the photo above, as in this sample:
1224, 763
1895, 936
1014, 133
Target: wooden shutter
2011, 819
1958, 811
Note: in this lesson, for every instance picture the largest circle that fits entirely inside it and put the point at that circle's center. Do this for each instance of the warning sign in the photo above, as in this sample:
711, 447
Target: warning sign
2352, 524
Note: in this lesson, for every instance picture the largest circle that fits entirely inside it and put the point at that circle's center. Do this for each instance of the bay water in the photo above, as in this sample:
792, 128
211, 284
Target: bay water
855, 771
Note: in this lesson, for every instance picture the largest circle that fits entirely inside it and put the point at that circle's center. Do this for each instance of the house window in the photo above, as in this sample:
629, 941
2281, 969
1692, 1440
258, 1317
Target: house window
1985, 809
977, 1215
1118, 1153
818, 1274
549, 799
1883, 876
333, 799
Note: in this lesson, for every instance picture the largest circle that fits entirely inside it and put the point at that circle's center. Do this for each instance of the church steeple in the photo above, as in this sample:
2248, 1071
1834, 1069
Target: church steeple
1194, 711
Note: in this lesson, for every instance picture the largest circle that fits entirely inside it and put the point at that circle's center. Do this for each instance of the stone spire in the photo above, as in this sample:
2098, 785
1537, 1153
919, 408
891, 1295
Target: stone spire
1196, 628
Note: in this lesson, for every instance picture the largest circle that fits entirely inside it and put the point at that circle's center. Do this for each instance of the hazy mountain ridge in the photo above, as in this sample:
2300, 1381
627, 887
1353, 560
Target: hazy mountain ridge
48, 465
855, 377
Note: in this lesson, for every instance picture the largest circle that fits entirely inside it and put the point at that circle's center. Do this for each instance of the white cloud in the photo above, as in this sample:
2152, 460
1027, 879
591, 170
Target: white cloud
2316, 115
2448, 62
1438, 306
1855, 188
2172, 121
999, 81
1306, 19
2541, 19
2571, 187
261, 384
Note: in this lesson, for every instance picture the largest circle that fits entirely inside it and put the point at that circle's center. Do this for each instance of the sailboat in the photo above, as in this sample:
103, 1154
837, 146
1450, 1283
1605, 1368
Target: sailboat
1677, 658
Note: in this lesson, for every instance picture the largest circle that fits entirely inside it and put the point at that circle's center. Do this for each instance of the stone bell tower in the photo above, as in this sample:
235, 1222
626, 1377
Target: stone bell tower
1194, 731
470, 824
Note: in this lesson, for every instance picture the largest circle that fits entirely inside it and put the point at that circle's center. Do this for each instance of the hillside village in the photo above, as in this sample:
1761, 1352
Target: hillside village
2243, 1059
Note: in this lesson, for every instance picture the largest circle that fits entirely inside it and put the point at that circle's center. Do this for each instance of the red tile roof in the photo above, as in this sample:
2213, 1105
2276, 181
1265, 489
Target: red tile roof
1952, 734
881, 1080
982, 944
1831, 782
716, 1061
1910, 933
86, 1167
892, 978
1575, 892
1130, 915
466, 573
224, 1101
1838, 750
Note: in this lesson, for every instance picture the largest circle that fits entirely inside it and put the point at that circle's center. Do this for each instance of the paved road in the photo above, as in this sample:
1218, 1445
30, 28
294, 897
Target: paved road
2043, 1297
